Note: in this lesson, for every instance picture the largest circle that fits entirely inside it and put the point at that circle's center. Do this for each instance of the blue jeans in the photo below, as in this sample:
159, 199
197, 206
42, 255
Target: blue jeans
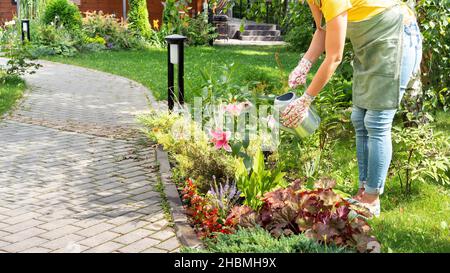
373, 128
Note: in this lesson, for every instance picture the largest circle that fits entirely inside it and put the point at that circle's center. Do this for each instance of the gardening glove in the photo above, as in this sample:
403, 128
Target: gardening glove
298, 75
296, 111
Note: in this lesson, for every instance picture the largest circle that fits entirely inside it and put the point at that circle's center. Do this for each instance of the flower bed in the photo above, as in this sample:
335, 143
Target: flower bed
228, 185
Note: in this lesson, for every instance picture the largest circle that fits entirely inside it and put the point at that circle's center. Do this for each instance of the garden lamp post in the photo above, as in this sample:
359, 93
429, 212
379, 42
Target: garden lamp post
175, 53
26, 28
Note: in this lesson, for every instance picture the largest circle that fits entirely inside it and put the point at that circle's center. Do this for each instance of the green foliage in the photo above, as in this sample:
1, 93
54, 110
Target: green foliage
199, 31
195, 157
116, 34
138, 17
258, 181
54, 40
299, 27
32, 8
299, 38
175, 15
11, 89
62, 12
434, 20
258, 240
420, 156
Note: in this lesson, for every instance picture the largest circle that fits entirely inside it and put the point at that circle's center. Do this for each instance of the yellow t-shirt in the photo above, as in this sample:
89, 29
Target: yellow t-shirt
358, 10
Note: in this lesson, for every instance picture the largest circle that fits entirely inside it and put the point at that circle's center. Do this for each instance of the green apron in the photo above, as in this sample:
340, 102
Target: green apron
377, 45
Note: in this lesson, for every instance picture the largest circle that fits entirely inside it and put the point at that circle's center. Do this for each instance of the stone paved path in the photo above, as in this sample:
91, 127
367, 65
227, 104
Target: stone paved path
73, 176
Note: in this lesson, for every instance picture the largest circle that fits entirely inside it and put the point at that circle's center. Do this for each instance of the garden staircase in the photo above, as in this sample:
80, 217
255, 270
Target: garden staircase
254, 31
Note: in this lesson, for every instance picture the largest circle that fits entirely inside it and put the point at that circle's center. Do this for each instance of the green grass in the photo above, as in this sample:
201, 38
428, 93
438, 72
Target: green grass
10, 91
149, 67
415, 223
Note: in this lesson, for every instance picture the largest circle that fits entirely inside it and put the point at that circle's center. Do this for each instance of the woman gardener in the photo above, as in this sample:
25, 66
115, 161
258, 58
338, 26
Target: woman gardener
387, 53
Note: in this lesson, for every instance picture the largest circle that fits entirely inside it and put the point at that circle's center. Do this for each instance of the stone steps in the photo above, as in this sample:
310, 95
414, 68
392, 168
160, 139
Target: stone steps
261, 33
261, 38
254, 31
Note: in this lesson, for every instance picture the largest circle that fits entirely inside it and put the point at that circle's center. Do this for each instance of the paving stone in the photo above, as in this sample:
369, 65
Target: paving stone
163, 235
99, 239
60, 232
107, 247
63, 242
71, 176
94, 230
154, 250
22, 235
37, 250
24, 244
139, 246
133, 236
130, 226
169, 245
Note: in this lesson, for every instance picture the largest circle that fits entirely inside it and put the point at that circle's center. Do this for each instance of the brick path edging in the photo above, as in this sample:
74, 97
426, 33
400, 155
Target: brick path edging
185, 233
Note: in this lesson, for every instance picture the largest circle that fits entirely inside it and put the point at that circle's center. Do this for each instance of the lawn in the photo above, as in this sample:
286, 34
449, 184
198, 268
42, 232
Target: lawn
149, 67
10, 92
415, 223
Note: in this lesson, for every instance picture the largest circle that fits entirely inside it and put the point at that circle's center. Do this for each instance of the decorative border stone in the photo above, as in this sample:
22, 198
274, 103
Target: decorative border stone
185, 233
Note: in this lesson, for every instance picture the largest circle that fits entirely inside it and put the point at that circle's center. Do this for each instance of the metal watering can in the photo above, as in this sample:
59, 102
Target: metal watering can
309, 124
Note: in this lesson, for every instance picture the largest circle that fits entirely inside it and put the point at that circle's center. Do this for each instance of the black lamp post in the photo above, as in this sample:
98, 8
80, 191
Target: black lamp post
175, 55
26, 28
268, 2
14, 2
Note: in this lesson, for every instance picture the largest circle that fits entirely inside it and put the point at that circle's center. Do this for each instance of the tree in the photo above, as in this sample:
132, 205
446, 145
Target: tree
138, 17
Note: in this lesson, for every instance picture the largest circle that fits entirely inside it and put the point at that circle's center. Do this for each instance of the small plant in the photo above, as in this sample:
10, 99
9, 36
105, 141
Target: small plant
204, 216
258, 240
223, 197
62, 12
255, 184
419, 156
320, 214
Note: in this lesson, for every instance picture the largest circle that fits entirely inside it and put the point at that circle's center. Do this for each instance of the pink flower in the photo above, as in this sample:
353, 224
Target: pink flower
220, 139
234, 109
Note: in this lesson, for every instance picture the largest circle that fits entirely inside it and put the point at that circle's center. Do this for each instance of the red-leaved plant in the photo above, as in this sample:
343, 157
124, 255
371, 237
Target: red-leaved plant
203, 215
320, 214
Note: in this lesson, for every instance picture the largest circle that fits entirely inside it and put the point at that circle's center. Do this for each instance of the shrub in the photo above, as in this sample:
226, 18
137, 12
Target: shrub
299, 38
138, 17
199, 31
62, 12
433, 19
419, 155
258, 240
54, 40
299, 27
116, 34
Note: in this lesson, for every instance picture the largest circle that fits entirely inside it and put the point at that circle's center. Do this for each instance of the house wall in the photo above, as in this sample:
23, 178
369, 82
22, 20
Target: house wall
7, 10
155, 7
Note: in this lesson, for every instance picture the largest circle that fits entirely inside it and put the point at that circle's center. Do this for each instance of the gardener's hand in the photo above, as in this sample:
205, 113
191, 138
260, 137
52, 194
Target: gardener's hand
296, 111
298, 75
